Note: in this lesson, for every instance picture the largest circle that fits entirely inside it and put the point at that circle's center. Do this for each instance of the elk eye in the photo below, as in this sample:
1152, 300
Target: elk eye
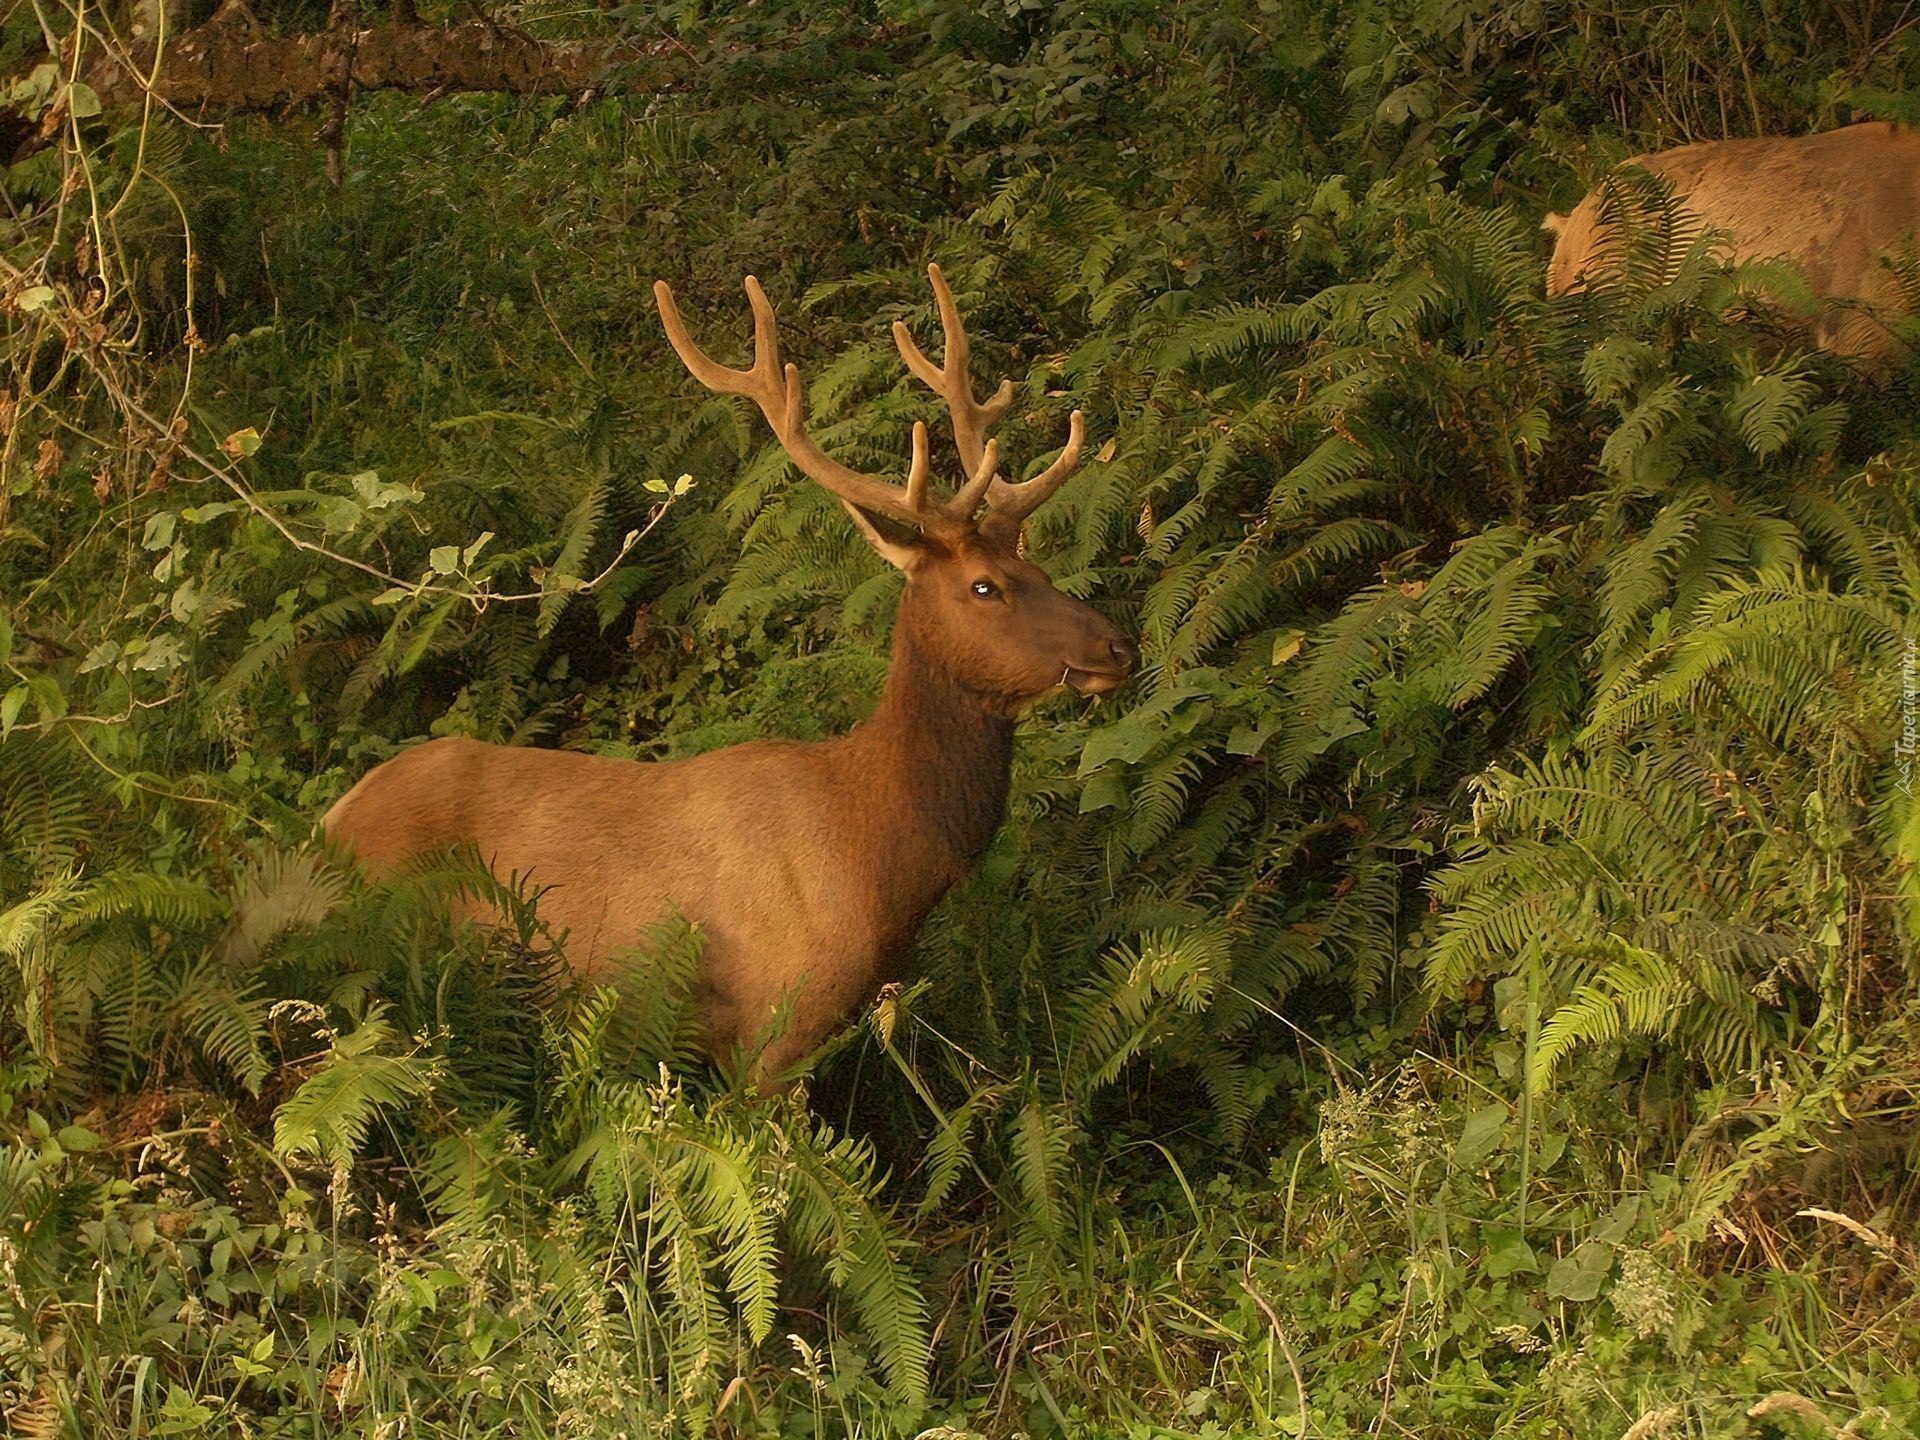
985, 589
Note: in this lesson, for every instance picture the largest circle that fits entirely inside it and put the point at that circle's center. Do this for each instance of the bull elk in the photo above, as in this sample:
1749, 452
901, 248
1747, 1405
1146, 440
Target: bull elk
1835, 204
808, 867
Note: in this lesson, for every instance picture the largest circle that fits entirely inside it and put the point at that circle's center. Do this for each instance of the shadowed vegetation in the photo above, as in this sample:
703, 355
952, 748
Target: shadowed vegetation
1464, 986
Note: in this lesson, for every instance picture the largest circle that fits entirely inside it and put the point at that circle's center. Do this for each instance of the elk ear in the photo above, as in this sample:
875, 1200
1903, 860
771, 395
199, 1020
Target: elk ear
902, 554
1554, 224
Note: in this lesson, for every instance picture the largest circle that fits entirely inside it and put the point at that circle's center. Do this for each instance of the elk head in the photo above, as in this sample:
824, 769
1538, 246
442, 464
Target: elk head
972, 606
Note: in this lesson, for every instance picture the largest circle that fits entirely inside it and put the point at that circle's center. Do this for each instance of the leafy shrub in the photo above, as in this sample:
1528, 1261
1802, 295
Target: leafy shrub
1464, 985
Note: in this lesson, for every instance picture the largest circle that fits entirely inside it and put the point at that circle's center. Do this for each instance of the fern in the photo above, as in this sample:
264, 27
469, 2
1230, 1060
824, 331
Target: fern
577, 534
718, 1173
1039, 1144
27, 923
703, 1192
950, 1150
163, 899
281, 892
44, 811
1770, 406
1637, 992
329, 1115
833, 1211
1139, 994
228, 1024
474, 1174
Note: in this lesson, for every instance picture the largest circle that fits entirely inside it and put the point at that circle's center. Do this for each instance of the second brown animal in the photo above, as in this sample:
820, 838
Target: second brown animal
1835, 204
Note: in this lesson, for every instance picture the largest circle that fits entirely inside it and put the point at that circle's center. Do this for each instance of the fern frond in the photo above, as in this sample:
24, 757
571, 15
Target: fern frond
1638, 992
282, 891
163, 899
1040, 1152
1138, 994
331, 1112
832, 1207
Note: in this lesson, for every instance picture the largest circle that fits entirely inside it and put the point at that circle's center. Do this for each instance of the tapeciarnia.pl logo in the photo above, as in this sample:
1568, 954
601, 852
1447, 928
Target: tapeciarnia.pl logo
1909, 741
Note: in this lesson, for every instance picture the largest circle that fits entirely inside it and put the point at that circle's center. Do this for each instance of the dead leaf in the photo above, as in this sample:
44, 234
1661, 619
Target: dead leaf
43, 467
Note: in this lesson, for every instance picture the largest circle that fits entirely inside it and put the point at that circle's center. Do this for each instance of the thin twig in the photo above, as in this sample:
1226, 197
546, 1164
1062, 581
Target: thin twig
1393, 1359
541, 295
1299, 1385
479, 596
128, 778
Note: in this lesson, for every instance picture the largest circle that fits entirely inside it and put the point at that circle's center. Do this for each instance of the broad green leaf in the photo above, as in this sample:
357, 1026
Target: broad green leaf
1580, 1275
1250, 739
162, 652
1144, 727
1619, 1225
159, 532
377, 494
1106, 790
1508, 1253
200, 514
1480, 1137
338, 515
186, 602
76, 1138
1510, 1002
48, 698
38, 83
12, 705
82, 103
1335, 727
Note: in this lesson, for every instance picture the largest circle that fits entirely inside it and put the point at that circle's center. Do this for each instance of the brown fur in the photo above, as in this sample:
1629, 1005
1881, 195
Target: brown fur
1832, 203
808, 867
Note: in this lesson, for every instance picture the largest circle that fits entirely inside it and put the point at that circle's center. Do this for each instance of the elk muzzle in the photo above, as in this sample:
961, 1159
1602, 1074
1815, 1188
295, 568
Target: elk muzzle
1109, 673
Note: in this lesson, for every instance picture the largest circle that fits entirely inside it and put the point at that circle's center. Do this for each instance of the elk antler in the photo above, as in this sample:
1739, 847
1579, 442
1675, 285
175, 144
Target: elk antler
777, 391
972, 418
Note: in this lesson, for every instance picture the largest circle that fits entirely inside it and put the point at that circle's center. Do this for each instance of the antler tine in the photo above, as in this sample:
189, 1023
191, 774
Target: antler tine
950, 381
1015, 502
921, 469
763, 384
967, 498
776, 389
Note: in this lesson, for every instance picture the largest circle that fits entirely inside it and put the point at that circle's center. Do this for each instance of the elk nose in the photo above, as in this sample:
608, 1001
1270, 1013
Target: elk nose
1123, 653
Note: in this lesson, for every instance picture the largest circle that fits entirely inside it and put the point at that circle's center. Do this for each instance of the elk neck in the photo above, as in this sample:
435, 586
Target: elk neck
938, 755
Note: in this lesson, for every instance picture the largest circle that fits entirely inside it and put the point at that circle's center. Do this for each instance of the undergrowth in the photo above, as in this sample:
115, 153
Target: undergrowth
1464, 986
